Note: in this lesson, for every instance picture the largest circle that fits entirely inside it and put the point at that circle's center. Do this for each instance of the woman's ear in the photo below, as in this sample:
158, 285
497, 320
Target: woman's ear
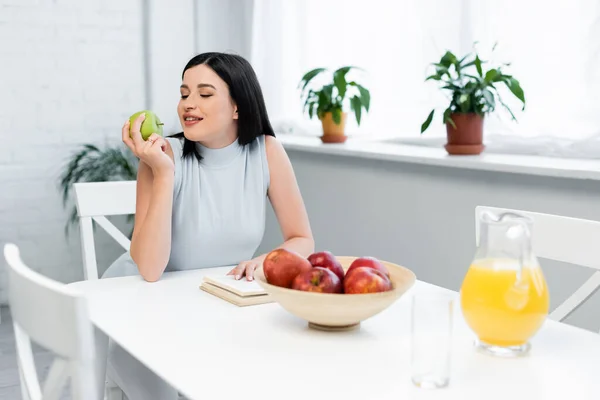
235, 112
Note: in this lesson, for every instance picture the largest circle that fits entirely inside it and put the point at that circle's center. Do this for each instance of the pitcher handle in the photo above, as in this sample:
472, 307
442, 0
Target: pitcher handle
524, 234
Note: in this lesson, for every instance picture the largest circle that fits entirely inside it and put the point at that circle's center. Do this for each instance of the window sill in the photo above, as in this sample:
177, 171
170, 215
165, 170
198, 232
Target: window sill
380, 149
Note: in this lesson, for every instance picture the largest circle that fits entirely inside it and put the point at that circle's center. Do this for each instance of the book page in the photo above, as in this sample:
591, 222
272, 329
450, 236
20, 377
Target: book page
242, 286
240, 301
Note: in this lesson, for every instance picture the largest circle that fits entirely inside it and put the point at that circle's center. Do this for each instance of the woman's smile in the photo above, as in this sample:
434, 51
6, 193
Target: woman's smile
190, 119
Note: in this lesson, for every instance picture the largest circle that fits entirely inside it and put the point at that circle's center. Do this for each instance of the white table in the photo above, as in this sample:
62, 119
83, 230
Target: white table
210, 349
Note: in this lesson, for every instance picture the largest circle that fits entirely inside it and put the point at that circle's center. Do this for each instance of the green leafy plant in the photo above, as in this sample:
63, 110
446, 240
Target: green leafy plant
335, 96
471, 92
92, 164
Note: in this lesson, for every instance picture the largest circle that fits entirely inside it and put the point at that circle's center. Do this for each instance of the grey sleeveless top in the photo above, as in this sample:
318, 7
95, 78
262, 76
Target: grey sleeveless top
219, 206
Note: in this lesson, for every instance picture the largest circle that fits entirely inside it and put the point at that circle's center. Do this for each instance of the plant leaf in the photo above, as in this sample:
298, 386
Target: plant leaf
308, 100
325, 98
309, 76
447, 118
448, 59
365, 97
478, 80
478, 65
441, 70
514, 86
349, 67
90, 164
339, 80
451, 86
356, 105
427, 122
463, 60
464, 102
468, 64
506, 107
489, 99
336, 114
491, 75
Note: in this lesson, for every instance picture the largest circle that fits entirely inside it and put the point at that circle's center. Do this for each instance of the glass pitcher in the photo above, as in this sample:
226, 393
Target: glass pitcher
504, 296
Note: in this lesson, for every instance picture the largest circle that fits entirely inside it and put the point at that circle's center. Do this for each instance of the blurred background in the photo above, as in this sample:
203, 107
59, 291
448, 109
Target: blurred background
72, 72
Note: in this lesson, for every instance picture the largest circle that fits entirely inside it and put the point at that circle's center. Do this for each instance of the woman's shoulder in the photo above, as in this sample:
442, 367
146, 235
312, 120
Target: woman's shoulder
273, 147
175, 143
269, 147
266, 147
175, 151
264, 142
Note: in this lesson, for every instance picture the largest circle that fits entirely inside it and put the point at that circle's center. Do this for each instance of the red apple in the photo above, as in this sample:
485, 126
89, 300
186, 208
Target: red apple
327, 260
366, 280
319, 280
281, 267
369, 262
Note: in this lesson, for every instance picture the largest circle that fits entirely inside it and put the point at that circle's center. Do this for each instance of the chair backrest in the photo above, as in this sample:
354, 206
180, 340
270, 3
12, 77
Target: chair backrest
566, 239
95, 201
54, 316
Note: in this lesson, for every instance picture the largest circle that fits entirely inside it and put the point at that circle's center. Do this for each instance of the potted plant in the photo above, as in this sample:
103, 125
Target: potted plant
472, 96
331, 101
92, 164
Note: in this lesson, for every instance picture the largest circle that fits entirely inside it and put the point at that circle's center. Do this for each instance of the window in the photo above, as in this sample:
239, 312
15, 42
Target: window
553, 48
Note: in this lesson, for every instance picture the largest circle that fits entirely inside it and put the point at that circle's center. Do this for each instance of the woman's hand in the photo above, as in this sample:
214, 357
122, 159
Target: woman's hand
151, 151
246, 268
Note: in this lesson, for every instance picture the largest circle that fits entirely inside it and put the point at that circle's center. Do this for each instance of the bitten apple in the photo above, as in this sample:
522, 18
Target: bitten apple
366, 280
318, 279
327, 260
369, 262
281, 267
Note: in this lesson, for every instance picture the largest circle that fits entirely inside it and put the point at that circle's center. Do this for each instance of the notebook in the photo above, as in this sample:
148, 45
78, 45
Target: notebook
236, 291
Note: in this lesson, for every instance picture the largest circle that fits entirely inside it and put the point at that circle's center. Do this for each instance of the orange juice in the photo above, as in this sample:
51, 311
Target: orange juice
499, 309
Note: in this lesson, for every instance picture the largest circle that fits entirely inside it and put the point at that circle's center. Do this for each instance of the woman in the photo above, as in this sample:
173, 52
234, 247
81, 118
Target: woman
201, 194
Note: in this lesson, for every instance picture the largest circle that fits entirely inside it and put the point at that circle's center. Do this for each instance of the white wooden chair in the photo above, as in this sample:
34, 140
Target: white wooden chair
52, 315
95, 201
565, 239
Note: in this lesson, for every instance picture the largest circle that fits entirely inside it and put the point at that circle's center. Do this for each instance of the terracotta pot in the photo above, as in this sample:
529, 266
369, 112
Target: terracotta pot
467, 138
332, 132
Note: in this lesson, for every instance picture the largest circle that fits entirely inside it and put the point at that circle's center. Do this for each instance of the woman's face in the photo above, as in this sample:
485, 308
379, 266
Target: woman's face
206, 111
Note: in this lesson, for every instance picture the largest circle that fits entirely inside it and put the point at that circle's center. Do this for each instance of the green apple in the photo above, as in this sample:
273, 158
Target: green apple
150, 125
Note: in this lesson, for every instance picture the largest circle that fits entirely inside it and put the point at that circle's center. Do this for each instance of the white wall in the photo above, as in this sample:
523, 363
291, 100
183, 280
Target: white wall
423, 217
170, 44
71, 73
174, 37
225, 25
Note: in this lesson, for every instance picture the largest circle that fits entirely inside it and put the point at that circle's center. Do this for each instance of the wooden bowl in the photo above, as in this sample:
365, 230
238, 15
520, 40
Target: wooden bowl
338, 312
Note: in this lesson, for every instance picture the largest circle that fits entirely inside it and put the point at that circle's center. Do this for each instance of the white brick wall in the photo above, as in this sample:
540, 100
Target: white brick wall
71, 72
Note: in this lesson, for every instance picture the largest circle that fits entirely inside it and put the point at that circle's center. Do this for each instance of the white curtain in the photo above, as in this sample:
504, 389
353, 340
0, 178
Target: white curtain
553, 47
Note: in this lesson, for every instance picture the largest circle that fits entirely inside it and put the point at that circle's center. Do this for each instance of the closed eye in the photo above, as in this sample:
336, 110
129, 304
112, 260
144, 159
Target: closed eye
185, 96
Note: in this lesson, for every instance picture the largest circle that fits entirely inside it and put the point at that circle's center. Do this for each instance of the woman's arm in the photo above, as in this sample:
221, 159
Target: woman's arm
151, 241
287, 202
288, 205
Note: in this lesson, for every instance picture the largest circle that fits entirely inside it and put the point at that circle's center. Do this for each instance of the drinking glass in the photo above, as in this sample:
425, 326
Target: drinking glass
431, 337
